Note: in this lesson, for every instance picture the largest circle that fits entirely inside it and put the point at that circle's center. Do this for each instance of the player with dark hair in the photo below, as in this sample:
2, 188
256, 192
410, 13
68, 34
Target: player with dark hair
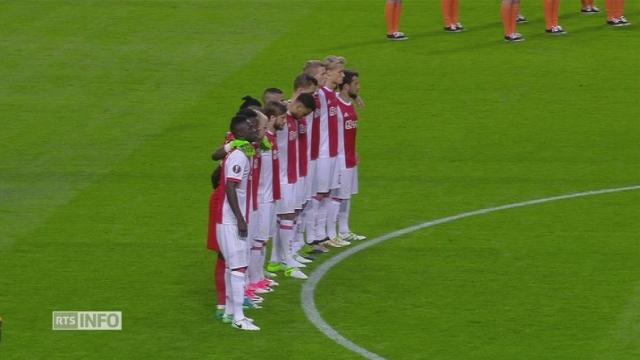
392, 12
268, 193
272, 94
348, 160
249, 102
287, 140
228, 222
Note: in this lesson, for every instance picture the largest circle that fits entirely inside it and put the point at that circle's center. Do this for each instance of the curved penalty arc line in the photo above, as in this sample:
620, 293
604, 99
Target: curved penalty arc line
308, 289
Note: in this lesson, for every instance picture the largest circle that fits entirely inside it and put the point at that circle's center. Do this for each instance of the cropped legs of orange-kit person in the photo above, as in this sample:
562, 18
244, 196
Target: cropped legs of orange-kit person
510, 12
589, 7
392, 12
615, 13
551, 8
451, 14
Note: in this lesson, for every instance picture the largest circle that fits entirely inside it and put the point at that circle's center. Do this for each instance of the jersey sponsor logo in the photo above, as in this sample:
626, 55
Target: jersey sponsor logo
351, 124
302, 129
293, 135
236, 169
333, 111
317, 113
274, 154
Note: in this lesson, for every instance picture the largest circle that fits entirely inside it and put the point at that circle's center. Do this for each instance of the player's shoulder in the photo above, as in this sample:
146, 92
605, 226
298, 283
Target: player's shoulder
237, 155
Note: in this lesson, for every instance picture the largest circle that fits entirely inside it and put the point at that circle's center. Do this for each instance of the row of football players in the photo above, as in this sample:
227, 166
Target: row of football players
288, 171
510, 17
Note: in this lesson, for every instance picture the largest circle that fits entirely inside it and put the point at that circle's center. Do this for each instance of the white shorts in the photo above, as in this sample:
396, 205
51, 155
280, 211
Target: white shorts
287, 203
233, 249
301, 196
309, 180
348, 183
265, 221
326, 175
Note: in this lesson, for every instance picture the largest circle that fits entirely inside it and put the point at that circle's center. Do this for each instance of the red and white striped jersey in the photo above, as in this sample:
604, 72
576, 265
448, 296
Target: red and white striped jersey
288, 151
348, 121
313, 124
269, 189
303, 147
328, 123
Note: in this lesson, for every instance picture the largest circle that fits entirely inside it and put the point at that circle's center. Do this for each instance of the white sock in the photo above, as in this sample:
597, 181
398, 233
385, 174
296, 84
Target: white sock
300, 228
255, 262
343, 216
228, 310
310, 219
237, 291
276, 246
298, 238
321, 219
286, 232
332, 217
263, 258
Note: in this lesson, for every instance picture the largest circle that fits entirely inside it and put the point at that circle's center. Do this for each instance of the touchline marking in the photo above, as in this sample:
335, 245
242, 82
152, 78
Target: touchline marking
309, 287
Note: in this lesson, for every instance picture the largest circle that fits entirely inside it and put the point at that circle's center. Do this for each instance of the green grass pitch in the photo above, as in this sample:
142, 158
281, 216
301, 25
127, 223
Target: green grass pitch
109, 111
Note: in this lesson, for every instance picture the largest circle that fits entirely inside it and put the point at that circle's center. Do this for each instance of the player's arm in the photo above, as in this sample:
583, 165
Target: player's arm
222, 151
232, 197
358, 100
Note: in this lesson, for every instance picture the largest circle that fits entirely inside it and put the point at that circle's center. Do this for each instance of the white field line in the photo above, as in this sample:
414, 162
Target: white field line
308, 290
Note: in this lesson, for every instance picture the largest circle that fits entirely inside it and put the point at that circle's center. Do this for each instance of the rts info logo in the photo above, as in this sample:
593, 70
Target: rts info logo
87, 320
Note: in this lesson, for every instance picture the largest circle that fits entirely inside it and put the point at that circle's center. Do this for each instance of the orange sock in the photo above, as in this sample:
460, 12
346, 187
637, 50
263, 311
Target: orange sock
548, 13
389, 15
396, 16
608, 5
446, 12
455, 11
619, 8
506, 12
515, 11
555, 10
586, 3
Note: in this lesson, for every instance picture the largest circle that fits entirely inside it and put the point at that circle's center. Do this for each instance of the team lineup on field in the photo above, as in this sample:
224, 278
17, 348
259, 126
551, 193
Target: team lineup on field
288, 171
511, 16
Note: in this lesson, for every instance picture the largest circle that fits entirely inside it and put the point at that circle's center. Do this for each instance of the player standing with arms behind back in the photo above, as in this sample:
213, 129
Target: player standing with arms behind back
349, 91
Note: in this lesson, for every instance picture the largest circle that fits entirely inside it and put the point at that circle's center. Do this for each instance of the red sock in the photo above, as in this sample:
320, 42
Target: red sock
219, 274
